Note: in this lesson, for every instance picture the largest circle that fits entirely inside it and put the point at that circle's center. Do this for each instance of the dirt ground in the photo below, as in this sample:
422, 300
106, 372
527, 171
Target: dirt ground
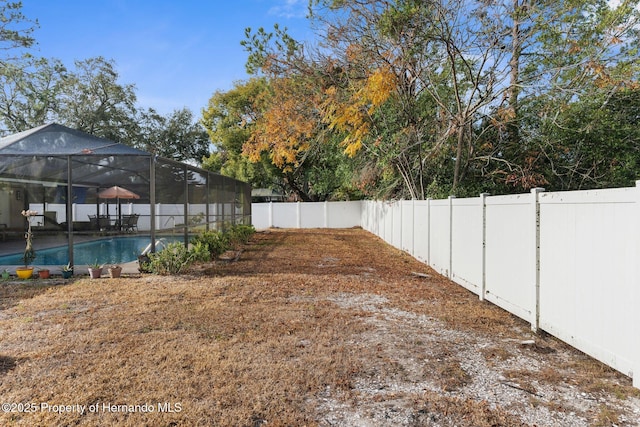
304, 327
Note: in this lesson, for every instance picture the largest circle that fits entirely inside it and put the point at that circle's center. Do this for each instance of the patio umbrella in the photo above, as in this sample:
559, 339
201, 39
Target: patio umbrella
117, 193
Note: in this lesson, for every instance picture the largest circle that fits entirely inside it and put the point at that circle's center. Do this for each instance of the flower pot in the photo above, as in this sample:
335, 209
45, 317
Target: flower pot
95, 273
66, 274
24, 272
114, 272
44, 274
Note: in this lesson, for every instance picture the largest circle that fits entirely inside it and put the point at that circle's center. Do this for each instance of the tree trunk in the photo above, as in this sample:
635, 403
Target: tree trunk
514, 75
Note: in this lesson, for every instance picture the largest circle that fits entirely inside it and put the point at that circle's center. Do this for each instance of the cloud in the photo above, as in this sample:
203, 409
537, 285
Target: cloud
290, 9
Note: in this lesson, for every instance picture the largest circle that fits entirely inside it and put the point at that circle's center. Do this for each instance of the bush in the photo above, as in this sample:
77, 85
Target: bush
240, 234
216, 242
175, 258
199, 252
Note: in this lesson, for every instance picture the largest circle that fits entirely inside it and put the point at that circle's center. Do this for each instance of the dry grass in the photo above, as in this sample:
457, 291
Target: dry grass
305, 328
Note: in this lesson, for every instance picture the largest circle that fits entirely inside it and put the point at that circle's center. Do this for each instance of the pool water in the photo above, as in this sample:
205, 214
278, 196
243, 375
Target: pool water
115, 250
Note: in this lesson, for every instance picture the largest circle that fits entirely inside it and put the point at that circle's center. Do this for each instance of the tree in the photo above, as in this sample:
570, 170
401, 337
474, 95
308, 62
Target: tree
229, 119
88, 97
176, 136
594, 142
15, 31
445, 96
93, 101
559, 52
31, 91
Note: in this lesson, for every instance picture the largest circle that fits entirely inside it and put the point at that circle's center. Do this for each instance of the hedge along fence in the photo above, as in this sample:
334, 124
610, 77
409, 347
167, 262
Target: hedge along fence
567, 262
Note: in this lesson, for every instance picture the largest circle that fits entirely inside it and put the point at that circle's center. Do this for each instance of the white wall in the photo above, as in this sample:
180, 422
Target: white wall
566, 262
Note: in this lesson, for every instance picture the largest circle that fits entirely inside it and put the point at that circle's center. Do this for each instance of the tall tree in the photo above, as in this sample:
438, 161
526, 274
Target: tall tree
87, 97
16, 31
95, 102
176, 136
30, 93
229, 119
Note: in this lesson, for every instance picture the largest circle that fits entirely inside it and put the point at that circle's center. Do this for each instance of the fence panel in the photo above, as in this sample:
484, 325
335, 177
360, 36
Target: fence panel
396, 225
421, 230
407, 224
439, 236
510, 254
285, 215
343, 214
466, 243
587, 271
312, 215
261, 215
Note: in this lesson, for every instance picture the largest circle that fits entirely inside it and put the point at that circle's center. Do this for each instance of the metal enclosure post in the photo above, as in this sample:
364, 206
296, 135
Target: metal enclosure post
185, 234
69, 210
152, 201
206, 208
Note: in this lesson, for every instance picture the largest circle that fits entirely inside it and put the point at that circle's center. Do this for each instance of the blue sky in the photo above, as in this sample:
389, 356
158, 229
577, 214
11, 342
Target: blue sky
176, 52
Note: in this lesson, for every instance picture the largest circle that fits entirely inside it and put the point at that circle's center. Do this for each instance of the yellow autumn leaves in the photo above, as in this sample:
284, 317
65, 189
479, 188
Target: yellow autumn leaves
296, 114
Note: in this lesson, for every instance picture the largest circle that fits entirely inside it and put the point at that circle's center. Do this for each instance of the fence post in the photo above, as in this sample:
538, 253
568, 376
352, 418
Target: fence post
450, 275
636, 297
413, 227
298, 221
326, 214
401, 218
483, 284
535, 316
429, 231
270, 214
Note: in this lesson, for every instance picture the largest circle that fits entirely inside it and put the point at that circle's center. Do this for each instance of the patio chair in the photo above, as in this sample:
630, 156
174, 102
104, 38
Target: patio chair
130, 223
104, 223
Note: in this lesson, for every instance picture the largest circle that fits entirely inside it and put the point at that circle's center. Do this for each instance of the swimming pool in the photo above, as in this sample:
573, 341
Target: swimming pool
114, 250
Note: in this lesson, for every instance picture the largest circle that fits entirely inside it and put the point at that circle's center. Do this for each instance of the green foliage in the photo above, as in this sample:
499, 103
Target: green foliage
438, 98
15, 30
173, 259
175, 136
199, 252
594, 142
215, 241
240, 234
204, 247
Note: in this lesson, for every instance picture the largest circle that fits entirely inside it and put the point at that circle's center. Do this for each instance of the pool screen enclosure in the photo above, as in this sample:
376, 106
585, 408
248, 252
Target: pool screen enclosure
67, 177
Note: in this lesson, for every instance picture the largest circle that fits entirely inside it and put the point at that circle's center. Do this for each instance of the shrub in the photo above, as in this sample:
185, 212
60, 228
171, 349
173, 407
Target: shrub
199, 252
175, 258
240, 234
216, 242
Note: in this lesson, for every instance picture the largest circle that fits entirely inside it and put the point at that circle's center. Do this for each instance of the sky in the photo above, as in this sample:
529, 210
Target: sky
177, 53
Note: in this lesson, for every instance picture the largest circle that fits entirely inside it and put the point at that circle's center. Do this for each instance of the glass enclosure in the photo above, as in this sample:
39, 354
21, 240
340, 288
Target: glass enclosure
99, 201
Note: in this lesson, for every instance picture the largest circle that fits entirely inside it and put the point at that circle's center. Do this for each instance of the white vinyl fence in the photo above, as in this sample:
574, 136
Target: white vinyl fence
567, 262
306, 215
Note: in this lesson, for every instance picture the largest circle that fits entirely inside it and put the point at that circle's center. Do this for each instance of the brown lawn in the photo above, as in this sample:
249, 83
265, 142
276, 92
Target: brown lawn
313, 327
